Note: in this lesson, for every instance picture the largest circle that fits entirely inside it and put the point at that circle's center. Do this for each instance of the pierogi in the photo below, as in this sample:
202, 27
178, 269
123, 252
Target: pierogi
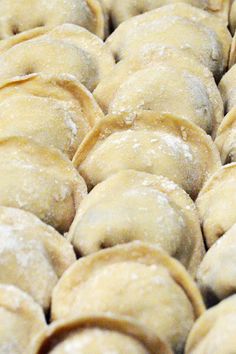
136, 280
149, 142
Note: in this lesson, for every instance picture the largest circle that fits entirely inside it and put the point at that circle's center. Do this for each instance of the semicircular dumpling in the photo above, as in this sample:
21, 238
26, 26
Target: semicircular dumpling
33, 255
226, 137
148, 142
21, 15
54, 110
65, 49
40, 180
164, 214
216, 203
122, 10
107, 281
166, 89
180, 25
21, 320
99, 334
227, 87
214, 331
199, 80
216, 274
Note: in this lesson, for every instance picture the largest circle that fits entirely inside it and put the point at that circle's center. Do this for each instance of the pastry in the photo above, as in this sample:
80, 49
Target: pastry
40, 180
122, 10
226, 137
65, 49
214, 332
227, 87
150, 142
22, 320
197, 87
54, 110
21, 15
137, 280
163, 214
97, 335
216, 203
180, 25
33, 255
216, 274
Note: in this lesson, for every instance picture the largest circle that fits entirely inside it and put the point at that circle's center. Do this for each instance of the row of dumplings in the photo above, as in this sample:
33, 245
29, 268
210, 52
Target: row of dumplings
133, 288
98, 16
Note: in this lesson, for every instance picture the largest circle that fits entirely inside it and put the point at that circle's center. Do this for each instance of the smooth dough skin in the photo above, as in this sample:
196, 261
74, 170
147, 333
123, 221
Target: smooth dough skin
65, 49
180, 25
39, 180
170, 220
227, 87
99, 335
122, 10
232, 19
146, 284
159, 90
54, 110
148, 142
216, 203
33, 255
21, 321
216, 275
214, 331
226, 138
22, 15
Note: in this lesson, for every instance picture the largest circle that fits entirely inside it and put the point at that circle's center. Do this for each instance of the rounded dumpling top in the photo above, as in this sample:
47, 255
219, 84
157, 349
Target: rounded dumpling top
22, 15
106, 281
22, 321
98, 333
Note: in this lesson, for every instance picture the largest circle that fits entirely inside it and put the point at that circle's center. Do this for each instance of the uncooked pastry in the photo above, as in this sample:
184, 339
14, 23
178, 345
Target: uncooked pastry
97, 335
164, 214
216, 275
226, 138
33, 255
21, 15
227, 87
201, 86
54, 110
232, 19
149, 142
216, 203
21, 320
40, 180
122, 10
137, 280
183, 26
65, 49
214, 332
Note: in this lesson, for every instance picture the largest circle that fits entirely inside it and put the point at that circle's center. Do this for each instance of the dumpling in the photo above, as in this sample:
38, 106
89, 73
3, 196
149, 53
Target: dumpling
227, 87
226, 137
216, 203
198, 79
166, 89
21, 321
54, 110
180, 25
65, 49
21, 15
40, 180
148, 142
164, 214
33, 255
214, 332
232, 19
216, 275
136, 280
122, 10
97, 335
